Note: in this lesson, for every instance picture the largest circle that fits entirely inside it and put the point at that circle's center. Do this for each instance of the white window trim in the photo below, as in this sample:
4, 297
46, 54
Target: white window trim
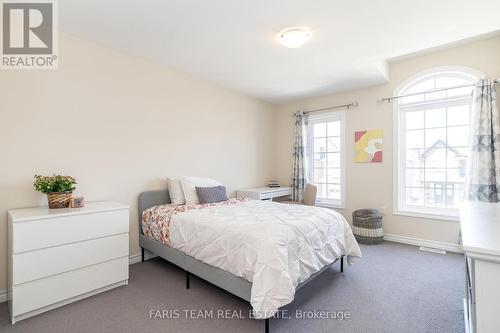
399, 206
310, 147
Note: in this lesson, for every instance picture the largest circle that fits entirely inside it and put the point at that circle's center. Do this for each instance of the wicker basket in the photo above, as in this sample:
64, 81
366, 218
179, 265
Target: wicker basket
367, 226
59, 199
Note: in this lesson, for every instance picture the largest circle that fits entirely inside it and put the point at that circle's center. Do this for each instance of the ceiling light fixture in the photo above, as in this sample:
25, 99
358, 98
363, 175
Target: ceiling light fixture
294, 37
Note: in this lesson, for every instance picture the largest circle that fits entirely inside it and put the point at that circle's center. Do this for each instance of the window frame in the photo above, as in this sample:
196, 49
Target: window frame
399, 191
316, 118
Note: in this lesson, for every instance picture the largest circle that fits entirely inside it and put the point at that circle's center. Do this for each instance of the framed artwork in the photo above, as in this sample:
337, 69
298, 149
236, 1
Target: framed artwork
368, 146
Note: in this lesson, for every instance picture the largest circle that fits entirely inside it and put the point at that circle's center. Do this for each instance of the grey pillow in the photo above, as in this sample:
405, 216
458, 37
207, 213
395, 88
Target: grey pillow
211, 194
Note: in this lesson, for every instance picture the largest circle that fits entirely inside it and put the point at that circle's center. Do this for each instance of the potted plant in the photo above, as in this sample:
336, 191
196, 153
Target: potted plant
58, 189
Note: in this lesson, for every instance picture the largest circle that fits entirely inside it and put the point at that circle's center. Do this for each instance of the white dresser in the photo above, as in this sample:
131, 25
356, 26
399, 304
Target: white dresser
264, 193
58, 256
480, 226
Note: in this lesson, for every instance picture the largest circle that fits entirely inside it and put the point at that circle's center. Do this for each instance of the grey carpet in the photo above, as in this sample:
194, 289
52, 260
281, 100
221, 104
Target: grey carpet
393, 288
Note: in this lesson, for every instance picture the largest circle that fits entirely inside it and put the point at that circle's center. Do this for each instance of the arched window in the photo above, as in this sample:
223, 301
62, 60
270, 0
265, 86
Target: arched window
432, 122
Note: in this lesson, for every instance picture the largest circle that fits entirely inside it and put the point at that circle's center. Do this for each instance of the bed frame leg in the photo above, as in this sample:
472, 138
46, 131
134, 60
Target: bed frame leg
142, 254
187, 280
342, 264
267, 325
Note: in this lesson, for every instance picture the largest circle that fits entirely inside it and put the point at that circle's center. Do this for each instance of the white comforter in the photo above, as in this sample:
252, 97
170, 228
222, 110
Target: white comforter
275, 246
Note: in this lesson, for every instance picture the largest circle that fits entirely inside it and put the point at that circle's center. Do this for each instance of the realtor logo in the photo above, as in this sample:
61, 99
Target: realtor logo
28, 35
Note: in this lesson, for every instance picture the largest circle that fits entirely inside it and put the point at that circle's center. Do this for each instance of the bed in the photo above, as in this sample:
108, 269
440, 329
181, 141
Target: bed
194, 263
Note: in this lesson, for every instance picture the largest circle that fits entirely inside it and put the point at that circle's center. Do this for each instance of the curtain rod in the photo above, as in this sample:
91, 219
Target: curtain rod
389, 99
347, 106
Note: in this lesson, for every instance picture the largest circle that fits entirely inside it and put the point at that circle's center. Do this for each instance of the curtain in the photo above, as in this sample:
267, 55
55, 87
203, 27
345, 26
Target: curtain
299, 173
483, 176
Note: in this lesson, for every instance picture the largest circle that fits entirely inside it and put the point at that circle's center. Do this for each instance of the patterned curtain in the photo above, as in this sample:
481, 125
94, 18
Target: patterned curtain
483, 179
299, 173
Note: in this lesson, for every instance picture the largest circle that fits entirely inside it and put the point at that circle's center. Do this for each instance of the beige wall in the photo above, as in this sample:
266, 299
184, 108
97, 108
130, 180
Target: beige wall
371, 185
120, 125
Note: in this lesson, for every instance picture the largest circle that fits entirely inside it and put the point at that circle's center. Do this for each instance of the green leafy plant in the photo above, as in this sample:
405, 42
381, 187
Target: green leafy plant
55, 183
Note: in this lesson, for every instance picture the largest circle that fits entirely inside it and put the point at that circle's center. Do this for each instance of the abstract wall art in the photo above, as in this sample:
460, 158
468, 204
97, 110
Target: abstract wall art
368, 146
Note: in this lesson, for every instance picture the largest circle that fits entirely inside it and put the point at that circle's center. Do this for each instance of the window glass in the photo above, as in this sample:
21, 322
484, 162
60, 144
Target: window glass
325, 160
432, 143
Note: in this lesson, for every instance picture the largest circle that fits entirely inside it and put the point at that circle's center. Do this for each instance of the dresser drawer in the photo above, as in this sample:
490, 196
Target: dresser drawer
40, 293
32, 265
265, 195
48, 232
282, 193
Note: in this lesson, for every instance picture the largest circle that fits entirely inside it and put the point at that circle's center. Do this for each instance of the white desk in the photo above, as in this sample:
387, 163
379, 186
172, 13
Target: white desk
480, 226
264, 193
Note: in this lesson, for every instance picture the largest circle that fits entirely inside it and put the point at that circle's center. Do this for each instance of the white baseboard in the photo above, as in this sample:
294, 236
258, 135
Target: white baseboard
134, 258
423, 242
3, 295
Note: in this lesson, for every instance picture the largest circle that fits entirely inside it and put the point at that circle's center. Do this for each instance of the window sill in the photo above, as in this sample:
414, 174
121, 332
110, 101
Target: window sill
329, 205
428, 216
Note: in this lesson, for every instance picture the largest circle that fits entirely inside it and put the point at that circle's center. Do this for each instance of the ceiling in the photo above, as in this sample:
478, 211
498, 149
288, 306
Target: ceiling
233, 42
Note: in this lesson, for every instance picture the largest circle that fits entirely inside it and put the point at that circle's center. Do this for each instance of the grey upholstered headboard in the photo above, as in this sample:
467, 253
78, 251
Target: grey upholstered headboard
149, 199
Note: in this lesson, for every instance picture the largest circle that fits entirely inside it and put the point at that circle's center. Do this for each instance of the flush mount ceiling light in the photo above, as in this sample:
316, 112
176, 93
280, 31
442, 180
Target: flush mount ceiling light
294, 37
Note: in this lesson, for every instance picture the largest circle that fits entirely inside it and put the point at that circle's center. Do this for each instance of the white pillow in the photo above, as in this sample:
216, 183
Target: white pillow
189, 187
175, 191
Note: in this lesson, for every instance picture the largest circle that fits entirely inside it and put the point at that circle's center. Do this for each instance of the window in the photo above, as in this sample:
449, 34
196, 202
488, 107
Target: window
325, 156
432, 131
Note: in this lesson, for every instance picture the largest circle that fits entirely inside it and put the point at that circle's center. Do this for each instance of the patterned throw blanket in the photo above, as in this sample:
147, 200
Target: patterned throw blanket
156, 220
